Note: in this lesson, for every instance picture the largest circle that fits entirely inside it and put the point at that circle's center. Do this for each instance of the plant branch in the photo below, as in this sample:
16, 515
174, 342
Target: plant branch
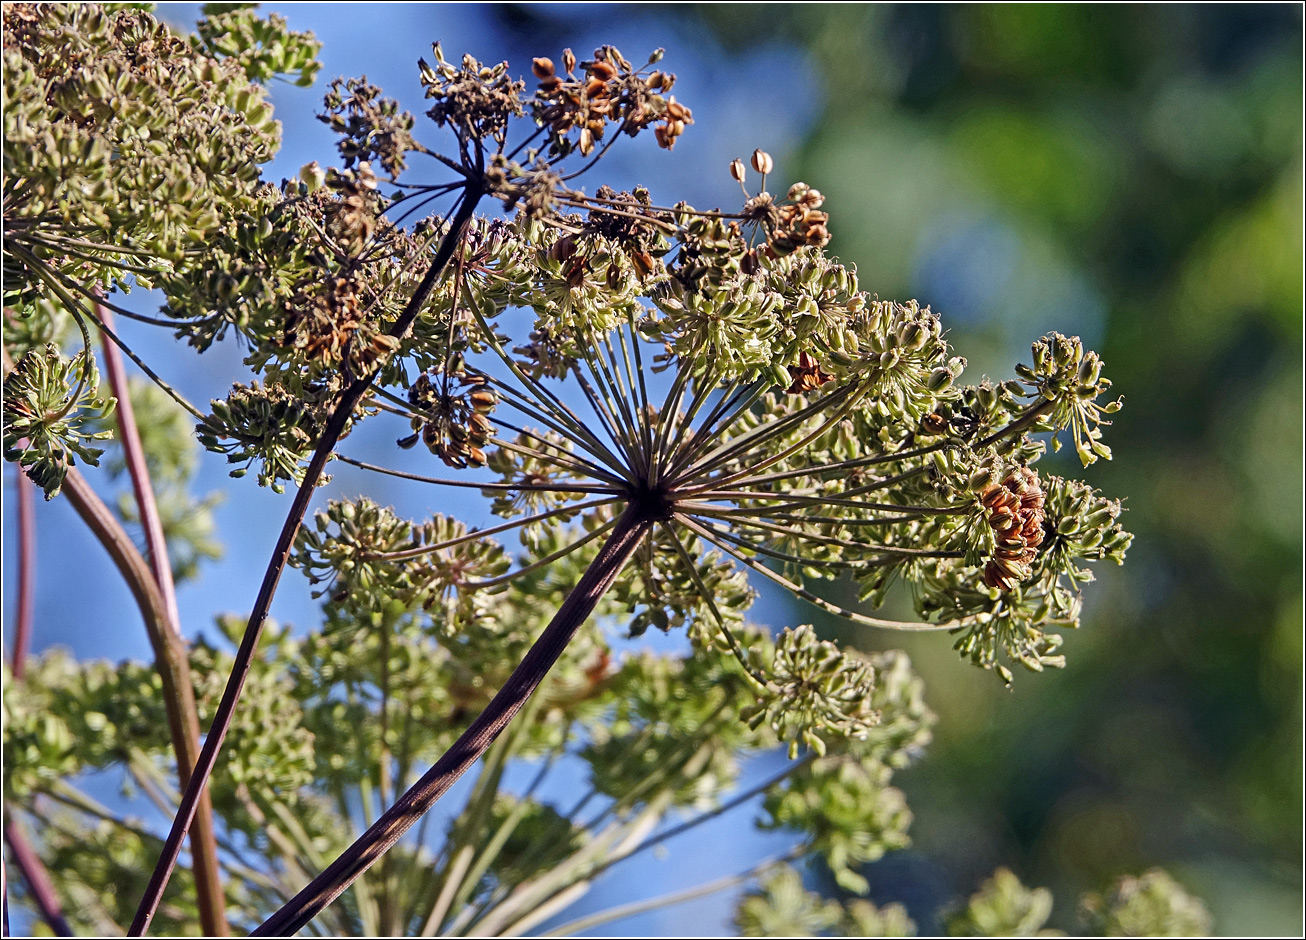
208, 876
630, 530
171, 659
24, 490
349, 400
638, 907
38, 880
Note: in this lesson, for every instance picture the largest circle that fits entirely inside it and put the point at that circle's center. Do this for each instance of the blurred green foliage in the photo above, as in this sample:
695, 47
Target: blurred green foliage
1133, 174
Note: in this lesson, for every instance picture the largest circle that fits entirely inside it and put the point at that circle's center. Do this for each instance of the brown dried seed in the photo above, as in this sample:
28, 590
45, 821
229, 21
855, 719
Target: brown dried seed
762, 162
542, 67
602, 71
643, 262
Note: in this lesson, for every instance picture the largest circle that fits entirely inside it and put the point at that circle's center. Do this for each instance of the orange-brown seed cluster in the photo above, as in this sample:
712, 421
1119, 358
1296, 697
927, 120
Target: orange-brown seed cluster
800, 222
1016, 516
609, 90
807, 375
452, 425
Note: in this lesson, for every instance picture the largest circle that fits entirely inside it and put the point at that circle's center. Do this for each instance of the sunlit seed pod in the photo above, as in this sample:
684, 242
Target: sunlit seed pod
1002, 519
657, 80
602, 71
737, 170
542, 67
1066, 350
995, 577
568, 61
643, 262
483, 400
911, 335
939, 379
762, 162
679, 112
1011, 568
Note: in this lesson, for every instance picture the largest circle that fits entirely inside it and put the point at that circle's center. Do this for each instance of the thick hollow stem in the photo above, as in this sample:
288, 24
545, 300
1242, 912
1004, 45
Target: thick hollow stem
204, 847
170, 654
598, 577
348, 401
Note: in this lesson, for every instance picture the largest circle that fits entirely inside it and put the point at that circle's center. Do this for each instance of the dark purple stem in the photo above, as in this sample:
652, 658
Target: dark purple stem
349, 400
208, 875
399, 818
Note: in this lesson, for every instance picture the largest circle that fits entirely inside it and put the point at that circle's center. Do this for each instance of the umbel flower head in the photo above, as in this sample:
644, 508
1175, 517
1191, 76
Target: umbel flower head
721, 377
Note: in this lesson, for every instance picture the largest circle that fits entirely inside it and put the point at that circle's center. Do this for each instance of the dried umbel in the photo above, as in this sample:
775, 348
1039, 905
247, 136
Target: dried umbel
476, 101
609, 91
450, 415
371, 127
328, 325
1015, 509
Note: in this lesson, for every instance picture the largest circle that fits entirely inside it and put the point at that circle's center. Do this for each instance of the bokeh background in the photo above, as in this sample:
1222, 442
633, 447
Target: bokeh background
1132, 174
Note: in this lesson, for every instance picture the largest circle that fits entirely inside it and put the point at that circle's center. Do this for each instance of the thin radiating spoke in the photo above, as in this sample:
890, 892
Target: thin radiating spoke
814, 599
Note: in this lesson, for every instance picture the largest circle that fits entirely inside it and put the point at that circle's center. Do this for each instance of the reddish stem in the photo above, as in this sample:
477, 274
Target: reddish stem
24, 856
38, 881
344, 409
629, 531
156, 549
23, 492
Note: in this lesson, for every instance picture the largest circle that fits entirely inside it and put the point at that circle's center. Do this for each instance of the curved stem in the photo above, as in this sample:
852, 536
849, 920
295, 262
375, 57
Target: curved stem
170, 653
340, 417
37, 878
630, 530
24, 856
208, 876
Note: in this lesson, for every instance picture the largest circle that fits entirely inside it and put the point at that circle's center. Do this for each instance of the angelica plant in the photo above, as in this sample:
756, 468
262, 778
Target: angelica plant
659, 401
